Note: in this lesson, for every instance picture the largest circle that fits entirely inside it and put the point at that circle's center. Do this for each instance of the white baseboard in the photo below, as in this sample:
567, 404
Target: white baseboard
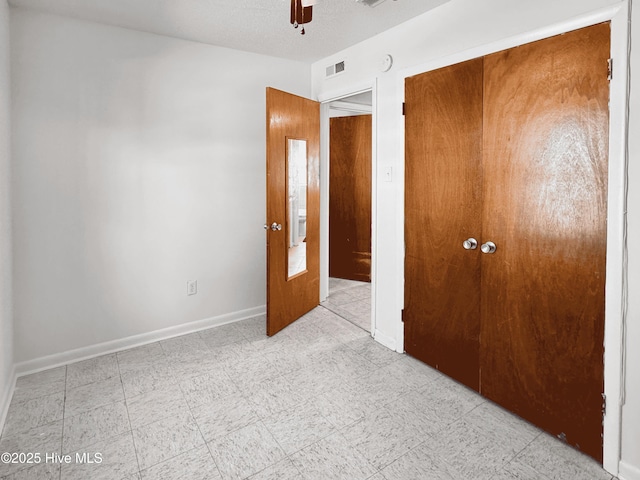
7, 395
385, 340
628, 472
91, 351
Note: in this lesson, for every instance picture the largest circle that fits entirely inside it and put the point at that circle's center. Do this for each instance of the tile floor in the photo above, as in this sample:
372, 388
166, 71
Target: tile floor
351, 300
320, 400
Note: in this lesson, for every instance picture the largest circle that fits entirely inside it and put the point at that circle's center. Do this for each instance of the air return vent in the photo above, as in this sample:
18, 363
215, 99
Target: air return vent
370, 3
333, 70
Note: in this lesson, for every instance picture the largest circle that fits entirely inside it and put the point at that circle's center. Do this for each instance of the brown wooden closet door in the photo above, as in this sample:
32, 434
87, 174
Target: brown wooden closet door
545, 208
350, 198
443, 178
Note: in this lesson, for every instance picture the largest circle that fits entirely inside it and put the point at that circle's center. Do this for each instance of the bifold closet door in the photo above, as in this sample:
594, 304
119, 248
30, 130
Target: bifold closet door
443, 179
545, 207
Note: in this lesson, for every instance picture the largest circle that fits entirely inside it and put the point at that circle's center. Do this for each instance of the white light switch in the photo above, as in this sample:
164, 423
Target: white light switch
388, 174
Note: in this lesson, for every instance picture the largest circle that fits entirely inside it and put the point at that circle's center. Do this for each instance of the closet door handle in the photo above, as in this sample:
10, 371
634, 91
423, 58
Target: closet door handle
488, 247
470, 244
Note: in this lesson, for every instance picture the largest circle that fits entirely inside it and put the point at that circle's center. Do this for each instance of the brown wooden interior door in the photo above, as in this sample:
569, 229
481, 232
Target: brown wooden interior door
545, 208
290, 295
350, 198
443, 178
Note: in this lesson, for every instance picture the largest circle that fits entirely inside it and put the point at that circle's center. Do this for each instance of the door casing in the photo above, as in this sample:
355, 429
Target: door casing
325, 101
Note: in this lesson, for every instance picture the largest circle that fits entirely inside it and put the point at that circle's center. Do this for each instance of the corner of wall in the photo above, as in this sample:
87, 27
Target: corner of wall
7, 394
630, 438
7, 372
628, 472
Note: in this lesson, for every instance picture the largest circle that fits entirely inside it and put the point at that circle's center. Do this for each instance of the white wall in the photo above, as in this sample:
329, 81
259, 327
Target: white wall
467, 28
630, 467
138, 165
6, 323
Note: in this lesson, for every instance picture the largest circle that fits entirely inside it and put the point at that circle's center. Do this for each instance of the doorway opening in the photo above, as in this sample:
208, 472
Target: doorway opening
349, 200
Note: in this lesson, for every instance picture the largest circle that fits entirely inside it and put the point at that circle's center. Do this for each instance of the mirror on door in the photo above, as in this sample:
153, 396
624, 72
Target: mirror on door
296, 206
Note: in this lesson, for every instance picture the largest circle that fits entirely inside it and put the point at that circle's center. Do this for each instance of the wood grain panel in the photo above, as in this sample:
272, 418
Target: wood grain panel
545, 191
443, 179
290, 116
350, 198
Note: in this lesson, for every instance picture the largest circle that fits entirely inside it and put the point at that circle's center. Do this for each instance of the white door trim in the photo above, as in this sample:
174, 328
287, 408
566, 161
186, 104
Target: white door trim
324, 190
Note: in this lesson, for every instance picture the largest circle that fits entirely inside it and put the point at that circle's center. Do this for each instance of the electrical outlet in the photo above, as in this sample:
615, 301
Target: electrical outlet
192, 287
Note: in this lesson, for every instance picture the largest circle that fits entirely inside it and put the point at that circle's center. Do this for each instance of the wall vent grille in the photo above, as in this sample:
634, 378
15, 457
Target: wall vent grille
333, 70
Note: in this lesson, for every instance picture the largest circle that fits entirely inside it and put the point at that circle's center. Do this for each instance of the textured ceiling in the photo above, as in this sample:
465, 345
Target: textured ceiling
260, 26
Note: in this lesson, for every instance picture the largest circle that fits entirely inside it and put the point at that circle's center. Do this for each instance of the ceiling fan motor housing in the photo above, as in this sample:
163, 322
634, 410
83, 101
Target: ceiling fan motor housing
370, 3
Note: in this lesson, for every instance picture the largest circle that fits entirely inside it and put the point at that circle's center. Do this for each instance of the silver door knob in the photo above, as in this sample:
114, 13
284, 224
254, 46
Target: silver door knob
488, 247
276, 226
470, 244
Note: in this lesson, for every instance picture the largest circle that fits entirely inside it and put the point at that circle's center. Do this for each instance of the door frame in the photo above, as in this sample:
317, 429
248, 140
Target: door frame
616, 286
325, 101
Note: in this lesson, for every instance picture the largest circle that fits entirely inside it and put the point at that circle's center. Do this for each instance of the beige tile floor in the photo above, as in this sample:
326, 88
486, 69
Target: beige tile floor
320, 400
351, 300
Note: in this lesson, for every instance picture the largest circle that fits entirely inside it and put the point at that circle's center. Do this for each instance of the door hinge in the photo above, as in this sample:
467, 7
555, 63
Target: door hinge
402, 315
404, 108
610, 69
604, 404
